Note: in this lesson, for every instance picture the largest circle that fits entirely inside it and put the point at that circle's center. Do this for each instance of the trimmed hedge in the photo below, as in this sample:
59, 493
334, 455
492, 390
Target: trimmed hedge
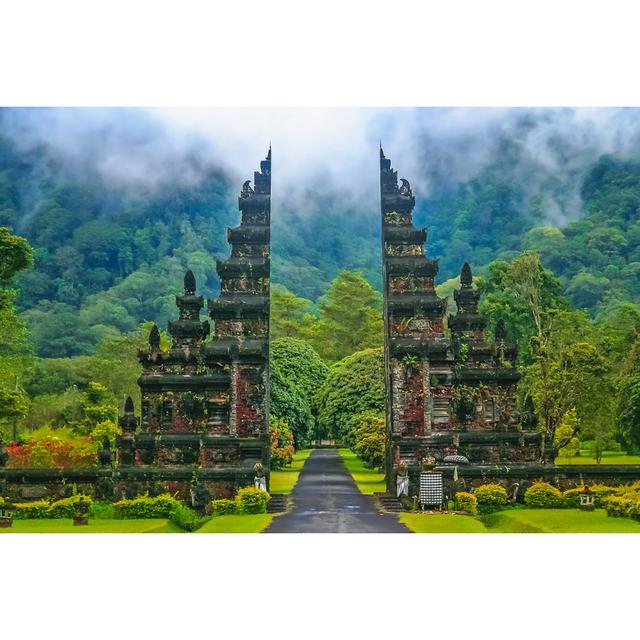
223, 507
251, 500
490, 497
143, 507
36, 510
542, 495
467, 502
40, 509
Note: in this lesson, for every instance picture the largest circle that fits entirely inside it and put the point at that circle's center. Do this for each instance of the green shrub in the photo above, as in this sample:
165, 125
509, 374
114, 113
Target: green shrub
602, 492
187, 519
490, 497
31, 510
619, 506
542, 495
571, 497
252, 500
102, 510
64, 508
223, 507
368, 431
467, 502
161, 506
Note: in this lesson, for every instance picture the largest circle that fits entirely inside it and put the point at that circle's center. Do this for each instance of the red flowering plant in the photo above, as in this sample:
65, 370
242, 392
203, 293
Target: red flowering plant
49, 447
282, 449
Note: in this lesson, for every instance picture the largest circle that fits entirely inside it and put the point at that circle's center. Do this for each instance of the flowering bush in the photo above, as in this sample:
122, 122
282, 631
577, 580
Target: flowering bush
467, 502
161, 506
542, 495
223, 507
48, 447
490, 497
251, 500
281, 439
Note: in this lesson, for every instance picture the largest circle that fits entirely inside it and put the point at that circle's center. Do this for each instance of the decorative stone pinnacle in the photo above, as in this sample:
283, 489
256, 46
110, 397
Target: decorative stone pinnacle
128, 406
466, 277
189, 283
154, 337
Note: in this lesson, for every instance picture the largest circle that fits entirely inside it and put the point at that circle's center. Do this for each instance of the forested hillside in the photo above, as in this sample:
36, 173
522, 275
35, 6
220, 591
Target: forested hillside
108, 257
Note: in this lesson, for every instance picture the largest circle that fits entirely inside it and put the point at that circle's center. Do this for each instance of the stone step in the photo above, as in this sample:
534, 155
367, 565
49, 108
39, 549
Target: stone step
389, 502
278, 504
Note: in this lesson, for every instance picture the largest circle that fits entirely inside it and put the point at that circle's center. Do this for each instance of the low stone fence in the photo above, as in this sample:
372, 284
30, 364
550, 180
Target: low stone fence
24, 485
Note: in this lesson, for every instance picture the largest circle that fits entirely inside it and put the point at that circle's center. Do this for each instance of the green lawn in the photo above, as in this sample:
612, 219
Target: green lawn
442, 523
368, 480
94, 526
284, 480
608, 457
522, 521
237, 524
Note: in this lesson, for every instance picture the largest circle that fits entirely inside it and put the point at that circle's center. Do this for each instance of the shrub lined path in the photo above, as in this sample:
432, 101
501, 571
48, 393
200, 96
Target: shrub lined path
327, 500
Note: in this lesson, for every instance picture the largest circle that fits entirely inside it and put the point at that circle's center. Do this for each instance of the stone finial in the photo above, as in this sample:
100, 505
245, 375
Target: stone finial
154, 337
501, 330
247, 190
405, 189
189, 283
128, 406
466, 277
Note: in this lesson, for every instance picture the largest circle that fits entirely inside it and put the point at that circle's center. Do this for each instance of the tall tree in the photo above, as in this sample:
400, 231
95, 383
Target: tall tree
15, 353
350, 318
290, 315
628, 398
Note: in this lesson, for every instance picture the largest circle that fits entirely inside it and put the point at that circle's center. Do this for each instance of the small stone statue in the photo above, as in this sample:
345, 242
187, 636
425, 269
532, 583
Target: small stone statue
81, 512
402, 480
259, 480
405, 189
428, 463
246, 189
6, 513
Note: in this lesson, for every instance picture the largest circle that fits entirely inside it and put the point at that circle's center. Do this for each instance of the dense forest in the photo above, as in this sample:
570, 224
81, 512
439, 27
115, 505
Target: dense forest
91, 265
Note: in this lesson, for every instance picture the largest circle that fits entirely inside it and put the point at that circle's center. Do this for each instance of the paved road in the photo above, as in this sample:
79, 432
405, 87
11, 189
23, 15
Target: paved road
327, 500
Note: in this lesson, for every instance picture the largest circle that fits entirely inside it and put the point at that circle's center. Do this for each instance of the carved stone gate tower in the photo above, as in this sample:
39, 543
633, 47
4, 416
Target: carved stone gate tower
205, 401
450, 392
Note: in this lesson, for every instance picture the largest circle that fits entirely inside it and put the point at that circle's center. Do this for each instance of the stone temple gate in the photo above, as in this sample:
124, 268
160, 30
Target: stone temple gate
205, 402
450, 391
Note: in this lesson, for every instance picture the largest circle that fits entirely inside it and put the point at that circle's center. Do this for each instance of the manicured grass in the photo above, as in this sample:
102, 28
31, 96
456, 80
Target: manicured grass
558, 521
284, 480
608, 457
94, 526
368, 480
442, 523
237, 524
522, 521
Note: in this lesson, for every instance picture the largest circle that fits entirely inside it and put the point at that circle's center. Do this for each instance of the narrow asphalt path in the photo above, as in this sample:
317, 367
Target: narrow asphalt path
327, 500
